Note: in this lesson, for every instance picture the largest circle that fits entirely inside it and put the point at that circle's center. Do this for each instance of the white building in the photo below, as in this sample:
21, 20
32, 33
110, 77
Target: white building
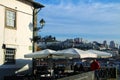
15, 26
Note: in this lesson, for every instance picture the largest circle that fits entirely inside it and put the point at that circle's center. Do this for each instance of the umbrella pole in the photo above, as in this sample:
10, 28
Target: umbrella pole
51, 65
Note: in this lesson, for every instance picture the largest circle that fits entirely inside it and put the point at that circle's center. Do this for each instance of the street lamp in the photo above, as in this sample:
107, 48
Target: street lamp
42, 23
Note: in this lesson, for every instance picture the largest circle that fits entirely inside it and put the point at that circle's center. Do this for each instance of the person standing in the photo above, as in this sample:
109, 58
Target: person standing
81, 68
95, 66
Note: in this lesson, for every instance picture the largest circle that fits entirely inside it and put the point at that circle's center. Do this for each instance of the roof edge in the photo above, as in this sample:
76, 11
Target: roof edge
34, 4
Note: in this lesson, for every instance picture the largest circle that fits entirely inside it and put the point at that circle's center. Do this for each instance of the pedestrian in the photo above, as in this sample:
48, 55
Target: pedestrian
75, 67
81, 68
95, 66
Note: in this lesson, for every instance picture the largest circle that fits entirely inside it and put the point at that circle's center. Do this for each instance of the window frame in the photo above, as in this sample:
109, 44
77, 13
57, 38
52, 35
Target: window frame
15, 21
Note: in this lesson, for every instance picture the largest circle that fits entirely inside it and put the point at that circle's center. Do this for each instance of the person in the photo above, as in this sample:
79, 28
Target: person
75, 67
95, 66
78, 67
81, 68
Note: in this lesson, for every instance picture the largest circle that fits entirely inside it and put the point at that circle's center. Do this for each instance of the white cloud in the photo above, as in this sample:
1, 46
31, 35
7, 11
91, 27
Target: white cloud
91, 18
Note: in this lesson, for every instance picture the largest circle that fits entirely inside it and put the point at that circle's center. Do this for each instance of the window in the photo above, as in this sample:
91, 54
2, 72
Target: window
10, 18
10, 56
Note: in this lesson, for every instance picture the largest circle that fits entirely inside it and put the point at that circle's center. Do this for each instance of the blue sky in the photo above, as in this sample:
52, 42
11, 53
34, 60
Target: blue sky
92, 20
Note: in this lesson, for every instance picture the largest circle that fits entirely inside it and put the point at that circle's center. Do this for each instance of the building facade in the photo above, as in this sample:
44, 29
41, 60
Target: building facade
16, 30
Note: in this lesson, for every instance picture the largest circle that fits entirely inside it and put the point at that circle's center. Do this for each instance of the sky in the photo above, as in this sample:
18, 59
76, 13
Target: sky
92, 20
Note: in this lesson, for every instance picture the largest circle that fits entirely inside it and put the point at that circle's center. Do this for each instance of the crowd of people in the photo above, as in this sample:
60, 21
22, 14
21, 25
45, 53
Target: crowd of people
59, 68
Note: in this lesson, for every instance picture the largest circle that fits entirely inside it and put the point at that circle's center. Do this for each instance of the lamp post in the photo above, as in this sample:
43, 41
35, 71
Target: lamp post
35, 37
36, 8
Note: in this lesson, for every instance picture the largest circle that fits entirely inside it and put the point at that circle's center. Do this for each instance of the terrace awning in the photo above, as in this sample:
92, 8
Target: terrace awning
40, 54
75, 53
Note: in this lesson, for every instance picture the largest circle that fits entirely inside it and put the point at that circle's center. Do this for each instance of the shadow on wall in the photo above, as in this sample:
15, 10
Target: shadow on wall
22, 66
30, 26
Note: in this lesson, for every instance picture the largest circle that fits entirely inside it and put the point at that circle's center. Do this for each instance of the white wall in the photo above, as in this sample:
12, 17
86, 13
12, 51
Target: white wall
1, 32
20, 38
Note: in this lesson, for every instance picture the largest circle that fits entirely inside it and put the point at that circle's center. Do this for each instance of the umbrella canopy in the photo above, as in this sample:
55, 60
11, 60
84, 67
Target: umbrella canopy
100, 54
40, 54
75, 53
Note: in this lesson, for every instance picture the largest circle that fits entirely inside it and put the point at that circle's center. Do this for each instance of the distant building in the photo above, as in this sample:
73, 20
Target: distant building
15, 26
112, 44
78, 40
105, 44
113, 52
119, 49
69, 40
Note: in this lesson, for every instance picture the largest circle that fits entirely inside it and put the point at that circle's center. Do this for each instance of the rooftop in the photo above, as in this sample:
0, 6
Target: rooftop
35, 4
